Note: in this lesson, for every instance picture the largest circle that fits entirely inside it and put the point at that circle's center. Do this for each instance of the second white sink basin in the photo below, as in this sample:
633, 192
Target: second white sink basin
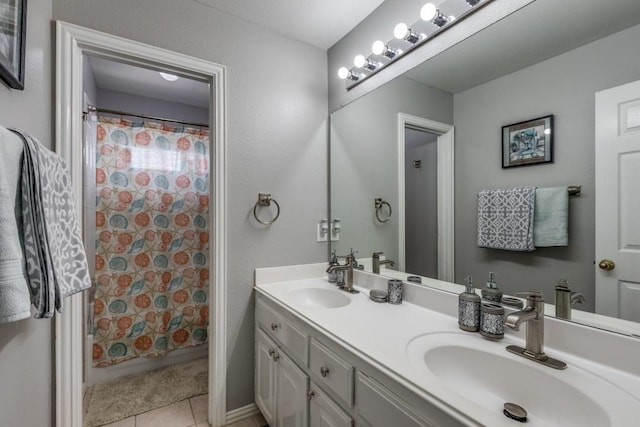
319, 297
485, 374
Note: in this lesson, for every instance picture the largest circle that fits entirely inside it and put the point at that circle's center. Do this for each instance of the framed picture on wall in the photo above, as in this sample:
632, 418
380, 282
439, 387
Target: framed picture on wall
528, 143
13, 25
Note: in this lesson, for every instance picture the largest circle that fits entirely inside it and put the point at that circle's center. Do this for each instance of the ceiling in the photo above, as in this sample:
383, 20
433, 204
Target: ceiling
319, 23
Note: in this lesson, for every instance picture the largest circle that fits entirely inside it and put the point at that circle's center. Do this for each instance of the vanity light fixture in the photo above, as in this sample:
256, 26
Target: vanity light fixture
361, 62
169, 77
406, 38
403, 32
431, 13
382, 49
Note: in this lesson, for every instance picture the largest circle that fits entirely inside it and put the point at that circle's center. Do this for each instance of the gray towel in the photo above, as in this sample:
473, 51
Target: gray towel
551, 219
14, 289
505, 219
56, 261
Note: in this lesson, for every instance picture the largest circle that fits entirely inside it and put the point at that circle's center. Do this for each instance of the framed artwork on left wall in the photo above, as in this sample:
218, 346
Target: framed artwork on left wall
13, 26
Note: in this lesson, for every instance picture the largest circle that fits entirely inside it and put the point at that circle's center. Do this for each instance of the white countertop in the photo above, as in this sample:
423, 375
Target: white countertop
380, 334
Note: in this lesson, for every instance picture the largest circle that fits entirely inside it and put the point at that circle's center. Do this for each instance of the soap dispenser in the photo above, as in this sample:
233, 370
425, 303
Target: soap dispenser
469, 308
333, 275
491, 291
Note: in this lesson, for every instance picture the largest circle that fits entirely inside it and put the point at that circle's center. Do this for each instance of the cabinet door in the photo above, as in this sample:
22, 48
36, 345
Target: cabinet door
292, 408
265, 376
323, 412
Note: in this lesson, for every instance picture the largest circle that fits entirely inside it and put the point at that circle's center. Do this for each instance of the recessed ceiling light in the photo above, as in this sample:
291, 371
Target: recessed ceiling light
169, 77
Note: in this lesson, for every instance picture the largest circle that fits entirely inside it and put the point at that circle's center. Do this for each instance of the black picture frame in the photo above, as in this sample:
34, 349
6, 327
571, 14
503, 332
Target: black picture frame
13, 30
528, 143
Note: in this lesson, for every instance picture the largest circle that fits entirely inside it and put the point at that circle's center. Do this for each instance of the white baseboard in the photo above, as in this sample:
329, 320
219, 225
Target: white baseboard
241, 413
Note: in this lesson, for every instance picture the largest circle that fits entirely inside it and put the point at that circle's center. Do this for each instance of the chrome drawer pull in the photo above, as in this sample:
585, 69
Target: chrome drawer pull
274, 326
271, 352
324, 371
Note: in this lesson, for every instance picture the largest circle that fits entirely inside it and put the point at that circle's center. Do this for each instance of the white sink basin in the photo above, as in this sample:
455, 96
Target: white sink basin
484, 374
319, 297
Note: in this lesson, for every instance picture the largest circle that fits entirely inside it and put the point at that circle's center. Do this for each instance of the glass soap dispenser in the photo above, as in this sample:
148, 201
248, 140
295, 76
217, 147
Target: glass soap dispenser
491, 291
469, 308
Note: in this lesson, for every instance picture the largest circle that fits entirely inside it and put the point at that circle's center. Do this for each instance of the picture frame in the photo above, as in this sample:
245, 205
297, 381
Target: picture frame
528, 143
13, 28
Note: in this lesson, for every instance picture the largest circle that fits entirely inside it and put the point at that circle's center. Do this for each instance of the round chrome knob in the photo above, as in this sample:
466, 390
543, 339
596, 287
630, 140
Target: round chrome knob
274, 326
324, 371
607, 264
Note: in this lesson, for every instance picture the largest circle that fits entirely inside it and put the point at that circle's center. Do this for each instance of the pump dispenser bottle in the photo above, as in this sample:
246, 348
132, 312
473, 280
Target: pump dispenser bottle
491, 291
469, 308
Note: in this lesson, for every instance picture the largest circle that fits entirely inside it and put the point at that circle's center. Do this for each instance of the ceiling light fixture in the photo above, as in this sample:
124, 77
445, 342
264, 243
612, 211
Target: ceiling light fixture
169, 77
406, 39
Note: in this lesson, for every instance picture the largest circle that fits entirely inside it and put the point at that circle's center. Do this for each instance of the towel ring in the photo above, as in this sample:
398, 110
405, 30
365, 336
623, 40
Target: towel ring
379, 203
264, 199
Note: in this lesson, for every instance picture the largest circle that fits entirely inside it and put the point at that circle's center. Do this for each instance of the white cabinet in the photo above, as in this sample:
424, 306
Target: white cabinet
324, 412
280, 386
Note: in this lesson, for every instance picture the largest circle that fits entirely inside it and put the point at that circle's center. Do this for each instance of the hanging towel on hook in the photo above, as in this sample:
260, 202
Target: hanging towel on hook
505, 219
14, 289
56, 261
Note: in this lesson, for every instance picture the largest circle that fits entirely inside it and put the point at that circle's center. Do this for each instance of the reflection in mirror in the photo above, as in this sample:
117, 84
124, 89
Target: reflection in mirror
502, 84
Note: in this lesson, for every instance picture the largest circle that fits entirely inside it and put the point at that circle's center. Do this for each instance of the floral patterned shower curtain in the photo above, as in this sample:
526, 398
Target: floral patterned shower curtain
152, 240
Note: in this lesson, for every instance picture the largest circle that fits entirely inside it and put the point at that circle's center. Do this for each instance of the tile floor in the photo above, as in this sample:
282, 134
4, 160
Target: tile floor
187, 413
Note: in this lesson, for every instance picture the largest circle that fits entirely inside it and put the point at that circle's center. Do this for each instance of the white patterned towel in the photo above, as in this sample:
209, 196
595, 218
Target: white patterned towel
505, 219
56, 261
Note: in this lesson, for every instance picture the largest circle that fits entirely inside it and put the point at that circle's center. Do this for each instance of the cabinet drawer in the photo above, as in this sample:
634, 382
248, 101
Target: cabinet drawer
379, 407
331, 371
292, 338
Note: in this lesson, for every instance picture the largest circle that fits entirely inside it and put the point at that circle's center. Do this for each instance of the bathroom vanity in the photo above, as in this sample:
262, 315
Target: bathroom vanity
329, 358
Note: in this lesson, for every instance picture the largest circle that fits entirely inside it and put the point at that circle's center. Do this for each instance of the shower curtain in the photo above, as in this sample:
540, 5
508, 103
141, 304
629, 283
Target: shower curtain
152, 240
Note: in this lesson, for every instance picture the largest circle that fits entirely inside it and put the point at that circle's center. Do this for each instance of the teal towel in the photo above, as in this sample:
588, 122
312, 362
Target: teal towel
14, 290
551, 217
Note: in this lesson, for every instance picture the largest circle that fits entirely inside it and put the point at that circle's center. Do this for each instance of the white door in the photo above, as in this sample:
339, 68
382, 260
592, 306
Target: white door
265, 376
292, 404
618, 202
324, 413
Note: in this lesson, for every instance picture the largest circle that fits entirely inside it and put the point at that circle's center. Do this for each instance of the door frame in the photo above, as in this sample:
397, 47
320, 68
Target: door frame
72, 42
446, 229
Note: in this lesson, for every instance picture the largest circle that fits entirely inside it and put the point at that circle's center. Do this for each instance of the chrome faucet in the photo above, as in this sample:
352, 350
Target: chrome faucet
565, 299
377, 262
533, 316
348, 269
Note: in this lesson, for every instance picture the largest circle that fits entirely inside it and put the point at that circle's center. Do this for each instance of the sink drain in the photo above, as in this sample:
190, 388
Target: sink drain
515, 412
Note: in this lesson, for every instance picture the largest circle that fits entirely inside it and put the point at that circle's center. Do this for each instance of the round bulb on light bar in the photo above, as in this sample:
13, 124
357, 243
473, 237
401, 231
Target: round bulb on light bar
343, 72
169, 77
428, 12
359, 61
378, 47
400, 31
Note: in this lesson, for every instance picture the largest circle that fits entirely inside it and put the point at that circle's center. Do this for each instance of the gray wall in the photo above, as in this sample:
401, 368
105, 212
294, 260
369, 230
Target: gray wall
364, 161
421, 203
277, 139
564, 86
26, 346
152, 107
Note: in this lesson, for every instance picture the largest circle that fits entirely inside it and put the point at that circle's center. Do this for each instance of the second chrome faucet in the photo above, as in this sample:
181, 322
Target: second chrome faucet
377, 262
533, 316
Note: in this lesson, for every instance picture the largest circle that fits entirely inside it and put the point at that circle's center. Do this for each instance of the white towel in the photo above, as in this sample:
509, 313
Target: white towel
14, 289
56, 261
505, 219
551, 219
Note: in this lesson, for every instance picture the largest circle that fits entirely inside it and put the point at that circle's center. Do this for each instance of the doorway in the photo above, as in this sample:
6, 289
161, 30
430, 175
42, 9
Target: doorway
73, 43
444, 189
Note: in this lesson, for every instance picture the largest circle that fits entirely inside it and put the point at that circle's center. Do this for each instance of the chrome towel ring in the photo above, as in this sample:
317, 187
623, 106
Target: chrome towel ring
264, 199
379, 203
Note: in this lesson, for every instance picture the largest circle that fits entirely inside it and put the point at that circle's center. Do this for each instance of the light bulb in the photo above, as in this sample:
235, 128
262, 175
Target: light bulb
359, 61
343, 73
378, 47
428, 12
400, 31
169, 77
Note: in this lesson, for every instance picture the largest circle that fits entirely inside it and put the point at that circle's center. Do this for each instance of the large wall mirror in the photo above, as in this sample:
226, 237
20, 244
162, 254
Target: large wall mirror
548, 58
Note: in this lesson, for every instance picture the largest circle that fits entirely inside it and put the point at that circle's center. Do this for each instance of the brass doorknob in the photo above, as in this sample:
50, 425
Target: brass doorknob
607, 264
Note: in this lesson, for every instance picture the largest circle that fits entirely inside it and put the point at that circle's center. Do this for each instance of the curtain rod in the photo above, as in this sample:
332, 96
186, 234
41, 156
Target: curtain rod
92, 109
